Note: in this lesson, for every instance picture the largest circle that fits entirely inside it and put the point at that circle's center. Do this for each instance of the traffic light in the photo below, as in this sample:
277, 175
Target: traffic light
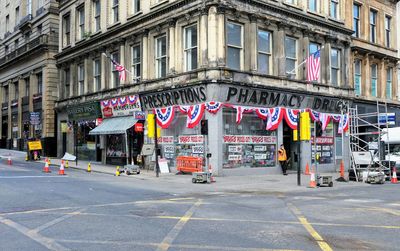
150, 125
305, 130
318, 129
204, 127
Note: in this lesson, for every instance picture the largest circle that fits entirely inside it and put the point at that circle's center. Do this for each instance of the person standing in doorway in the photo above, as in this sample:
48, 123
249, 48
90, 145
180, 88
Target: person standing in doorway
282, 158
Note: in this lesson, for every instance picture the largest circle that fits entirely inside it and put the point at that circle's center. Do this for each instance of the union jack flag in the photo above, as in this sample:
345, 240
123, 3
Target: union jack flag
313, 66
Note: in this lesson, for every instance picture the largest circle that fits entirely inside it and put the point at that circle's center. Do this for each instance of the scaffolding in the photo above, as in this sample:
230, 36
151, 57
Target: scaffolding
365, 154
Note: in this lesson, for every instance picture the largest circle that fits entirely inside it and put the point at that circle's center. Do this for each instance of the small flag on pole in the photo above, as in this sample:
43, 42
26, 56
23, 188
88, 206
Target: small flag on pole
313, 66
121, 70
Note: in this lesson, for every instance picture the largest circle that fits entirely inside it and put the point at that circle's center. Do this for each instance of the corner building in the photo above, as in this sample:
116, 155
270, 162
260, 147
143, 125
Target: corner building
228, 60
28, 73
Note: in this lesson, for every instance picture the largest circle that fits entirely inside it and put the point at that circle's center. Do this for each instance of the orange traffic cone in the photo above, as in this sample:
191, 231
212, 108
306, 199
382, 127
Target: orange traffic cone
313, 183
307, 171
46, 168
394, 176
341, 178
61, 171
9, 161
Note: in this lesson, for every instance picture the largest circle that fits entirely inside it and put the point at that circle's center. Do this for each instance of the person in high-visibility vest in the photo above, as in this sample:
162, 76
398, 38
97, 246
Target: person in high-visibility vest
282, 158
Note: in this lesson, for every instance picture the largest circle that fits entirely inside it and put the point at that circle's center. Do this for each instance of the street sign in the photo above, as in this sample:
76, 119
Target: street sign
389, 117
35, 118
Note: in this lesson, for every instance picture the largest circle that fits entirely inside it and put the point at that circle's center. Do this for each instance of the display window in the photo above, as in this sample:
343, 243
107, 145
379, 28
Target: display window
86, 144
116, 147
178, 140
247, 144
324, 145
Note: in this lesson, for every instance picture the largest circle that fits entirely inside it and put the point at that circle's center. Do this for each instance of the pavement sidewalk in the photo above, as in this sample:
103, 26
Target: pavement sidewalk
244, 183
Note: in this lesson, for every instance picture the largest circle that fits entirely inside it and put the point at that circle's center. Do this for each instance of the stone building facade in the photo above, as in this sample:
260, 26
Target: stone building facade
186, 52
28, 73
375, 57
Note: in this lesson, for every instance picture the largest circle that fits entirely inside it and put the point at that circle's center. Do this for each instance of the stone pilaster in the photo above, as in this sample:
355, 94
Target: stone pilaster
212, 38
145, 55
203, 45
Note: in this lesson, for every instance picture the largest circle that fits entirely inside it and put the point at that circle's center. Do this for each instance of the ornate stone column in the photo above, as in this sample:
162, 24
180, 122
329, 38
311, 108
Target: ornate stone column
145, 55
203, 45
171, 48
212, 38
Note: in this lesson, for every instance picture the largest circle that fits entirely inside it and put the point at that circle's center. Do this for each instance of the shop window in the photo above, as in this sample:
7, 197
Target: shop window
178, 140
247, 144
86, 144
116, 146
324, 145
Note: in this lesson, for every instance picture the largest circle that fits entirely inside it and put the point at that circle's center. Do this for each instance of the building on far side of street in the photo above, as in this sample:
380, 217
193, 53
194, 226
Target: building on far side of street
239, 64
28, 73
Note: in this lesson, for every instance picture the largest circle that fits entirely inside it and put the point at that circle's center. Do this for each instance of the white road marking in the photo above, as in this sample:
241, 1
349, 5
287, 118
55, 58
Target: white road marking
27, 177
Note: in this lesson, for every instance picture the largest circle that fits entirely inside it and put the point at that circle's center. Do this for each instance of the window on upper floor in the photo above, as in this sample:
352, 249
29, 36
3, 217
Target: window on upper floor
161, 56
96, 14
357, 77
40, 4
66, 30
5, 94
115, 10
7, 23
97, 74
291, 56
264, 48
334, 10
294, 2
389, 78
372, 26
81, 79
6, 49
313, 5
115, 81
135, 6
39, 78
356, 20
388, 21
234, 41
136, 63
27, 86
67, 82
16, 43
80, 21
374, 80
17, 18
29, 7
16, 90
335, 67
190, 47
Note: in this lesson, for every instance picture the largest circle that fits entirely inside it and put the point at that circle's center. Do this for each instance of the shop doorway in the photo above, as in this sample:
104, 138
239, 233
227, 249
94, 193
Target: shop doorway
135, 143
291, 147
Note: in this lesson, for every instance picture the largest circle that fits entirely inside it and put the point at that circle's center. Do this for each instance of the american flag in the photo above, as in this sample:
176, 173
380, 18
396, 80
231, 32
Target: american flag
313, 66
120, 68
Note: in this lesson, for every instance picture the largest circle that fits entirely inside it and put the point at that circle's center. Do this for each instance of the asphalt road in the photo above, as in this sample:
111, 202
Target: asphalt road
82, 211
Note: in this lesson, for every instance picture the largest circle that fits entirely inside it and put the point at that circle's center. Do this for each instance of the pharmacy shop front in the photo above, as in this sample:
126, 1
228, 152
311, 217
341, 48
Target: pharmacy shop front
246, 126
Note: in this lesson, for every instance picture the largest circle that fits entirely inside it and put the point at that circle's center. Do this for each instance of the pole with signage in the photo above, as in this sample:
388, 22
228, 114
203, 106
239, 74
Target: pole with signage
298, 151
156, 147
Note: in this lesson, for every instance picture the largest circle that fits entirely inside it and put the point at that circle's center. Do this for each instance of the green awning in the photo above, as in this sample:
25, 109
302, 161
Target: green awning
117, 125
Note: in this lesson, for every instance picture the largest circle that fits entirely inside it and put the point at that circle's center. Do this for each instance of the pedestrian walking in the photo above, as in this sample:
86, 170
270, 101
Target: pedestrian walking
282, 158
